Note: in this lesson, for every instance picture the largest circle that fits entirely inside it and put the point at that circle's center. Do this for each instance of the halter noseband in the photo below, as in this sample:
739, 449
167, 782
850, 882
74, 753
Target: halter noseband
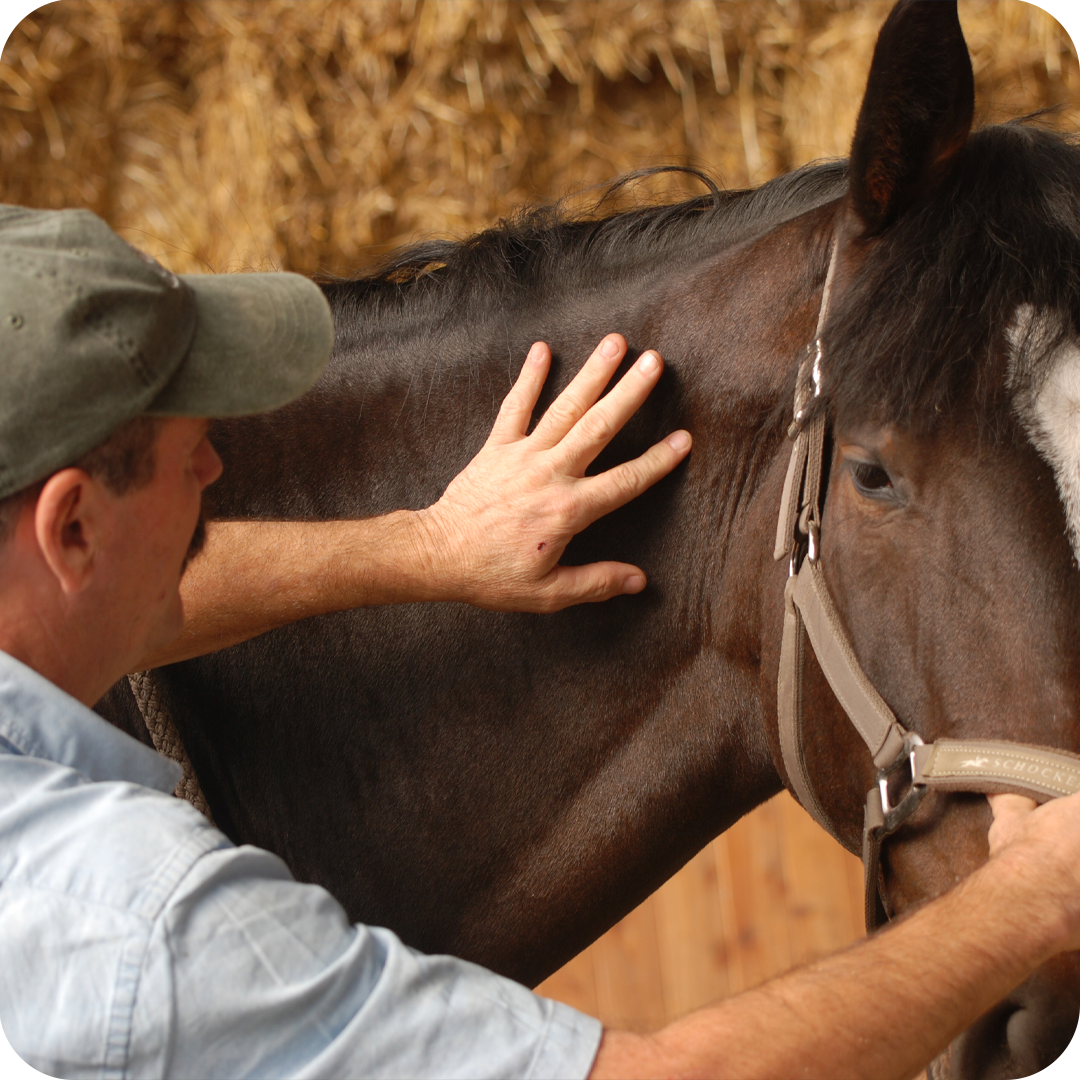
979, 765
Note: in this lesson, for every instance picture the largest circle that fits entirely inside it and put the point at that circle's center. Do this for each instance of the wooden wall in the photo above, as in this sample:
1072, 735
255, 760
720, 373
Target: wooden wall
772, 892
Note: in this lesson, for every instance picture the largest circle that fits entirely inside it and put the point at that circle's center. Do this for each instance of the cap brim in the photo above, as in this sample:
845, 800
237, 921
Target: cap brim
260, 341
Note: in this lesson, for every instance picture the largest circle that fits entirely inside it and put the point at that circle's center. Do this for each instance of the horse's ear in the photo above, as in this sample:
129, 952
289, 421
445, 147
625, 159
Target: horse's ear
916, 114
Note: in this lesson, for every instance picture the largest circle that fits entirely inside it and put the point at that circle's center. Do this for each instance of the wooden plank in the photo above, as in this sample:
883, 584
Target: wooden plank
725, 888
693, 947
629, 986
773, 891
759, 896
817, 878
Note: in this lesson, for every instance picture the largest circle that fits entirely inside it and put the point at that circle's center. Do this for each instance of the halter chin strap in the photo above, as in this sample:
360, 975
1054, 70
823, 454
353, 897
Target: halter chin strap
981, 765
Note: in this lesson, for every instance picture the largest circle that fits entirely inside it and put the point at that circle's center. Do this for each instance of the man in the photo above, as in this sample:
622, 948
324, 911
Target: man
134, 938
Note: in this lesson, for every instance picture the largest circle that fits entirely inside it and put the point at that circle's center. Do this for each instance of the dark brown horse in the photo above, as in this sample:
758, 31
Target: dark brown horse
505, 787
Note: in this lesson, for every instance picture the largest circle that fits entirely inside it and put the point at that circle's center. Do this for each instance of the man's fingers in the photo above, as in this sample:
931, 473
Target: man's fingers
516, 411
1009, 813
587, 385
1010, 805
599, 425
624, 482
591, 583
537, 481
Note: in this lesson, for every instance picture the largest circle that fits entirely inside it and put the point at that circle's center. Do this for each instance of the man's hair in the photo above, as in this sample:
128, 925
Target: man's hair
123, 462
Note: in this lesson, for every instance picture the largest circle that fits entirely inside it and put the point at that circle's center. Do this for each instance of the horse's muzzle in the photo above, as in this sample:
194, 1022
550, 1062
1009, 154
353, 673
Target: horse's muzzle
1021, 1035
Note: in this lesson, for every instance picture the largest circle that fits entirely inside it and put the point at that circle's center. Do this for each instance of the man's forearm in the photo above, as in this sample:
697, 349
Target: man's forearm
882, 1008
254, 576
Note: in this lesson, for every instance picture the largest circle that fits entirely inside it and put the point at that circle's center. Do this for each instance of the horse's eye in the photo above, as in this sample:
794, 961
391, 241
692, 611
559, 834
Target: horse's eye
870, 479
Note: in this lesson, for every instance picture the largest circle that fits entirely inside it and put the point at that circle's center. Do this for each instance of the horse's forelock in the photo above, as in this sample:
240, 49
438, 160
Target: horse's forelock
918, 333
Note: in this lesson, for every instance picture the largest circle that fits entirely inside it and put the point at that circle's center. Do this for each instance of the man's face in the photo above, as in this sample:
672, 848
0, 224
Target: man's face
156, 530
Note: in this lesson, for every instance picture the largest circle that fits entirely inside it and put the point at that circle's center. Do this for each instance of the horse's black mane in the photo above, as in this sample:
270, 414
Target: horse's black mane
911, 338
542, 250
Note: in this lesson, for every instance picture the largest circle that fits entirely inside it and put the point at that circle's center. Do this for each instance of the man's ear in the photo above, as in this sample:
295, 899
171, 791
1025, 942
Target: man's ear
67, 527
916, 115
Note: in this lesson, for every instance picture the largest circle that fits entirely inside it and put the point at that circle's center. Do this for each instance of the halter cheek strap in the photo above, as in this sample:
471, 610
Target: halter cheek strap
979, 765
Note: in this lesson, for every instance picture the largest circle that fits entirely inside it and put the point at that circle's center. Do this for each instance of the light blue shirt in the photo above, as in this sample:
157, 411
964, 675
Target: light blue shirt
137, 940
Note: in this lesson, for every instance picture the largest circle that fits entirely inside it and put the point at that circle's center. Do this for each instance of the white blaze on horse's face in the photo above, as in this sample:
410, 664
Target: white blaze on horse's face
1047, 399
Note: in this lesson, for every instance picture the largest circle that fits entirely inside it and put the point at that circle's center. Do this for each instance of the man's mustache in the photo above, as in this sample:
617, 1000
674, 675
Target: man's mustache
198, 540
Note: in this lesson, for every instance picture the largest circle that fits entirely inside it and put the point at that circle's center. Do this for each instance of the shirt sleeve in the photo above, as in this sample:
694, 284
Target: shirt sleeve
266, 977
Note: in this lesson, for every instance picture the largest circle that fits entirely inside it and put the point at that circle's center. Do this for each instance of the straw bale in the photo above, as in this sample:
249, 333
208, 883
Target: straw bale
228, 134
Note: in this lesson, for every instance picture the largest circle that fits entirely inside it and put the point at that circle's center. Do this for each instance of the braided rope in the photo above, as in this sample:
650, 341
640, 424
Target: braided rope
166, 738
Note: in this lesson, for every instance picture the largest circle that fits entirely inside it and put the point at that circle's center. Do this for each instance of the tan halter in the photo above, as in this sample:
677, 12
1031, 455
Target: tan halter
980, 765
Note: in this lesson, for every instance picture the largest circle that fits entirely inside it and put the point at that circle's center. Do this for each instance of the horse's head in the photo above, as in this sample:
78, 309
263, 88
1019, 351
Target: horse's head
950, 379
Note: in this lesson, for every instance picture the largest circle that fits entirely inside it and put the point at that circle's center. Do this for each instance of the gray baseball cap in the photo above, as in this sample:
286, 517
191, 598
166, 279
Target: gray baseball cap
94, 333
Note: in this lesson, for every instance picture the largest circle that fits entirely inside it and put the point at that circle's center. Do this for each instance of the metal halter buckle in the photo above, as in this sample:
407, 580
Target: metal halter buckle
796, 557
809, 372
895, 816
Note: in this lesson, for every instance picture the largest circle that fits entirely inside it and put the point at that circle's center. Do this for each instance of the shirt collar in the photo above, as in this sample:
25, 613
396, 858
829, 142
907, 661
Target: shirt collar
39, 720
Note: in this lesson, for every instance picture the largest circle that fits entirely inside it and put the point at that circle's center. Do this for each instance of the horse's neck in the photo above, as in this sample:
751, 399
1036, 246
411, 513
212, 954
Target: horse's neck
414, 388
732, 328
647, 713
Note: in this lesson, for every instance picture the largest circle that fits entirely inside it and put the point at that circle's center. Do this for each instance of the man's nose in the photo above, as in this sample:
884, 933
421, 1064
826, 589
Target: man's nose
208, 465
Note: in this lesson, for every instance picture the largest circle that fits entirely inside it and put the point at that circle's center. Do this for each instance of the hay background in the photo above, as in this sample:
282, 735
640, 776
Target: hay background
235, 134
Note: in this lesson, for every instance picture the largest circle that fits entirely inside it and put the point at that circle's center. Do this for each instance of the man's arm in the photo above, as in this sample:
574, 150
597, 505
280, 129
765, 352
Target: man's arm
494, 539
887, 1006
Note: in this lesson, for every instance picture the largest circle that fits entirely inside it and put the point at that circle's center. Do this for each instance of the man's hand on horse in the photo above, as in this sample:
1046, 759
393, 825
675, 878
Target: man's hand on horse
494, 539
500, 529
